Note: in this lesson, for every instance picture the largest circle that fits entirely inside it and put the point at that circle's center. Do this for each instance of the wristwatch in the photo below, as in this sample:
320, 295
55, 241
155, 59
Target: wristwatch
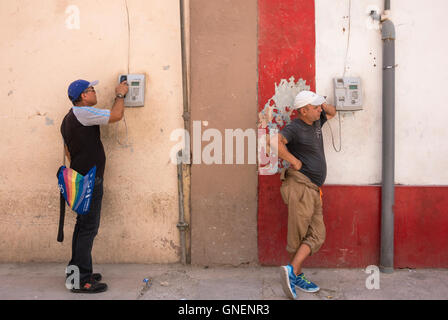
119, 95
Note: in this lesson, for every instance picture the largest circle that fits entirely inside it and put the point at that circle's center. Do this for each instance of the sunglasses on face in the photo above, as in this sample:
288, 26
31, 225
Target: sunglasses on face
89, 90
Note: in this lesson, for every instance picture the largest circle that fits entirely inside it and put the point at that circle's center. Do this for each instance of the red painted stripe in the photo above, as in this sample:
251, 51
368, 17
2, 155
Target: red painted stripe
421, 227
352, 217
286, 46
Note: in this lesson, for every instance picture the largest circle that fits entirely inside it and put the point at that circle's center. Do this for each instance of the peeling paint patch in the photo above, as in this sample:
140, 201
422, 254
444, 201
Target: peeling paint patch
166, 243
276, 114
279, 108
166, 67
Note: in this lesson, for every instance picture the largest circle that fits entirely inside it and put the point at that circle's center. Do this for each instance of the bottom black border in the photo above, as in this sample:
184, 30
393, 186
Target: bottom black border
223, 309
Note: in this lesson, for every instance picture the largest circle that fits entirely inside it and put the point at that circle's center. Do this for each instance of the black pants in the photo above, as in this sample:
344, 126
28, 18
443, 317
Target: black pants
86, 229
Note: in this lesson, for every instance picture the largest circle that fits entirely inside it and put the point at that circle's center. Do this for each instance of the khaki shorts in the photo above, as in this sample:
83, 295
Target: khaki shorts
305, 219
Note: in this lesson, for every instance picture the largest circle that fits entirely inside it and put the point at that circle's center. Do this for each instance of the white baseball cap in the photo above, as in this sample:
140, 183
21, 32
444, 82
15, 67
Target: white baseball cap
308, 97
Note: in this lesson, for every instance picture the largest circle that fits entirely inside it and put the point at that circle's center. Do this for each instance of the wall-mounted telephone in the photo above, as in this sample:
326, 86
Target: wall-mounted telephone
136, 94
347, 94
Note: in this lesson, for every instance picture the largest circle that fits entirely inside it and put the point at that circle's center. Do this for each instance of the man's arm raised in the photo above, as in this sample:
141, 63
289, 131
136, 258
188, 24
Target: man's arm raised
117, 111
330, 110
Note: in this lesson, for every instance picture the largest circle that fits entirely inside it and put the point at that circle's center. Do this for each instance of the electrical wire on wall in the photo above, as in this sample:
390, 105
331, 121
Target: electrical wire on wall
348, 35
126, 143
345, 70
129, 32
340, 136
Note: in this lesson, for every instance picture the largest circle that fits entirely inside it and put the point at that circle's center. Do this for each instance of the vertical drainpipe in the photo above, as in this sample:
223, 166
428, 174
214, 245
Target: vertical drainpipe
183, 169
181, 225
388, 156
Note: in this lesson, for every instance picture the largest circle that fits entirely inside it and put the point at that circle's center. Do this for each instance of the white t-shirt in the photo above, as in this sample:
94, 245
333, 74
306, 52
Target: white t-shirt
90, 116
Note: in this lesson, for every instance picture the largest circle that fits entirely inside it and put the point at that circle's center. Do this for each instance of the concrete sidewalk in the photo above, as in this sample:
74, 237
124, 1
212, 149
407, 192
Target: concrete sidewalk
176, 282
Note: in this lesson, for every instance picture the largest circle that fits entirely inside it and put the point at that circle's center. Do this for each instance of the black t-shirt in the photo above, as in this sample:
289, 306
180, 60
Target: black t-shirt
84, 140
306, 144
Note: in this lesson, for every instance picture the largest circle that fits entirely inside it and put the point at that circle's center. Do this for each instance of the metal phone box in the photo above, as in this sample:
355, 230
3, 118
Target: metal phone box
136, 94
348, 94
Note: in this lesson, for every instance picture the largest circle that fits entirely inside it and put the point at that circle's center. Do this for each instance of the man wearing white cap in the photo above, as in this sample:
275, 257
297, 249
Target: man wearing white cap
84, 149
300, 143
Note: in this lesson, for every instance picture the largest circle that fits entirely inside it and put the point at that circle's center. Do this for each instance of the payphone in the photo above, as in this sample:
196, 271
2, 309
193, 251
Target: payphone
136, 94
347, 94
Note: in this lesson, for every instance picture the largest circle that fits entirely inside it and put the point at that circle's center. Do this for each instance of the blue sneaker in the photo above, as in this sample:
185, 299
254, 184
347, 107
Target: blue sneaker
288, 280
305, 285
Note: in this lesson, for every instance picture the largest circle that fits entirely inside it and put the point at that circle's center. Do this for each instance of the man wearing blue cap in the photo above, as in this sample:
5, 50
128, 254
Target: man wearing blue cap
84, 149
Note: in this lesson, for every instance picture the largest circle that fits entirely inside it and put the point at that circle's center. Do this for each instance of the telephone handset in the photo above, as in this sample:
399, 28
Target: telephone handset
123, 78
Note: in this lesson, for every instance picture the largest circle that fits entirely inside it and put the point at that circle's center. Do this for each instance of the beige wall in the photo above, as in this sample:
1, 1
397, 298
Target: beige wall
39, 57
224, 95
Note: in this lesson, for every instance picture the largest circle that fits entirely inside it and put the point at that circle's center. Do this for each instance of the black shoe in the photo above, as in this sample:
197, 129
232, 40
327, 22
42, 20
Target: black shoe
97, 276
91, 287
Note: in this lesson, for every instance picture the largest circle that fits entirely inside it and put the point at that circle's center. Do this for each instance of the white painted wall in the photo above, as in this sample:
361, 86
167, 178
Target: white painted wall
421, 80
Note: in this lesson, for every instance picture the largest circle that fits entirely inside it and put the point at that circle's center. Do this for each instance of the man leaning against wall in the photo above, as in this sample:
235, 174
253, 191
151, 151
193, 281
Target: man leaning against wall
300, 143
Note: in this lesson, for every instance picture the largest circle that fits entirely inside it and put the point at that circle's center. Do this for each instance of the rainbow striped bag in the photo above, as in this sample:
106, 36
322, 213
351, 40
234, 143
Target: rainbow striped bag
76, 189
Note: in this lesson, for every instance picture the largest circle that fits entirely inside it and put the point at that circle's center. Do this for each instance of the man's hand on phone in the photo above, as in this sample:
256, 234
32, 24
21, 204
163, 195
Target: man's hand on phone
122, 88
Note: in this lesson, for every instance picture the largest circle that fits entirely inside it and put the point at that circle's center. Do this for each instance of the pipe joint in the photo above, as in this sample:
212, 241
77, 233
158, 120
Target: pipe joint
183, 226
388, 30
376, 16
186, 116
390, 67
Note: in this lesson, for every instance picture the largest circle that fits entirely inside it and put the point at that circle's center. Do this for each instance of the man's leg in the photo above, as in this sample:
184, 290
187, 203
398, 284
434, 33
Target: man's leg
299, 257
305, 234
315, 236
86, 229
299, 213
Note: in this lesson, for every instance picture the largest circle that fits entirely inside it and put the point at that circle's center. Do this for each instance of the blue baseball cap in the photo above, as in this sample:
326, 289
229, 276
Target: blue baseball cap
77, 87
